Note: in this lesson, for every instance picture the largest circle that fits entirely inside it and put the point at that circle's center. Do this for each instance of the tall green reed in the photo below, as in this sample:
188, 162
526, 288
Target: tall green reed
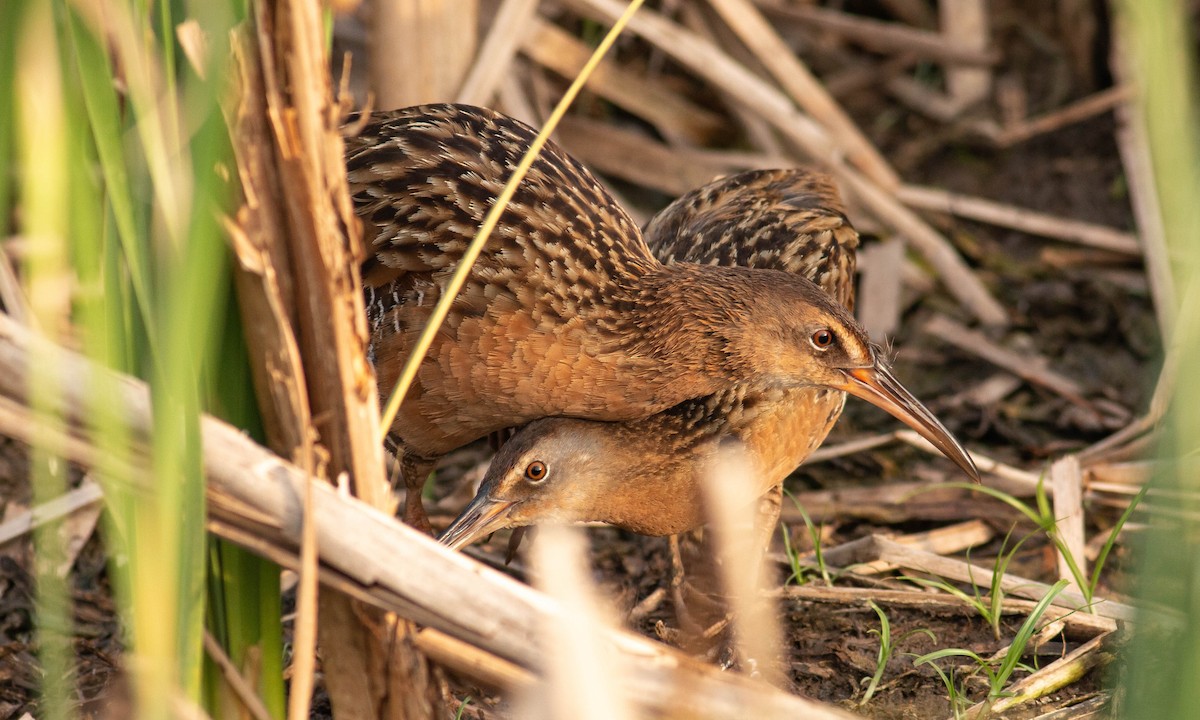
122, 168
1163, 661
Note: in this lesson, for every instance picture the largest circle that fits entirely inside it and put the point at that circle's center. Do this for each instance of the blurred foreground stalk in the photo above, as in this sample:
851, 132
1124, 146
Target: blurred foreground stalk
1164, 658
119, 156
43, 153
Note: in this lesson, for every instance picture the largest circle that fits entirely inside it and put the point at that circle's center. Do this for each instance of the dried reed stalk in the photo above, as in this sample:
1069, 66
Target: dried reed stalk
582, 671
804, 89
709, 62
673, 115
1066, 478
631, 156
1097, 652
420, 49
302, 303
1031, 367
509, 27
741, 535
1018, 218
885, 36
966, 21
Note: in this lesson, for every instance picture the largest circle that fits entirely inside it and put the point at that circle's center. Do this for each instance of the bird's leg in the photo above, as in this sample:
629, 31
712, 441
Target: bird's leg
766, 520
415, 471
514, 541
697, 593
683, 618
697, 588
497, 438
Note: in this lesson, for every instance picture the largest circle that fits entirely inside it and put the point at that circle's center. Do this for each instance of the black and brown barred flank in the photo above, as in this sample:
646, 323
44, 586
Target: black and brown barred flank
788, 220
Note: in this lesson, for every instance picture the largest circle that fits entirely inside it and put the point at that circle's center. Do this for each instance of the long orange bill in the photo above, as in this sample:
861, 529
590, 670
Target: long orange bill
879, 387
482, 516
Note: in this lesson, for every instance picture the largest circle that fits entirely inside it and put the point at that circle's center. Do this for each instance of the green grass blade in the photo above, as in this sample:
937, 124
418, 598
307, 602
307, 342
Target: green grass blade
885, 653
192, 302
972, 600
793, 557
1000, 495
815, 534
11, 20
104, 115
243, 591
1111, 540
1043, 500
957, 701
45, 155
948, 652
166, 39
1163, 660
1017, 648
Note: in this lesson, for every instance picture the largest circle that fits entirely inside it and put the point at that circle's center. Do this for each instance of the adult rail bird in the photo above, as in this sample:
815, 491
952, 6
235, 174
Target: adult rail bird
645, 475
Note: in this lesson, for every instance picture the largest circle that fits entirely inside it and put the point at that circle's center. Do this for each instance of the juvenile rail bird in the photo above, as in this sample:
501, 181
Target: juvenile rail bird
645, 475
566, 312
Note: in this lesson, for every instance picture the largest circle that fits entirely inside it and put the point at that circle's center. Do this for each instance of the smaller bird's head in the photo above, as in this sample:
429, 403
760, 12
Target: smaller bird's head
561, 470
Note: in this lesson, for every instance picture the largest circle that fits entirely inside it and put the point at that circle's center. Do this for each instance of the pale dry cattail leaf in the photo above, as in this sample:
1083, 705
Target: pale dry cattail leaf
581, 671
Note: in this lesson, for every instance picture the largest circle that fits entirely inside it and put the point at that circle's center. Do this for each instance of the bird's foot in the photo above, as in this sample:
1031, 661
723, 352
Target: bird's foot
514, 541
414, 514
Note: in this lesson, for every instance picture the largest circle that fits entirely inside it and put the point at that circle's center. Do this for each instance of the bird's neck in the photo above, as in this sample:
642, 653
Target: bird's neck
649, 486
680, 314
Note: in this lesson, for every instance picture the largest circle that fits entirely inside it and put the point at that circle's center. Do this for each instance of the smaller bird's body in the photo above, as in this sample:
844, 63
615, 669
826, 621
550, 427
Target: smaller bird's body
645, 475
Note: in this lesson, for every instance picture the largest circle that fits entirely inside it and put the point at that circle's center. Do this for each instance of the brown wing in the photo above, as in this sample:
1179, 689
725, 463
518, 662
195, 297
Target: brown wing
790, 220
526, 337
423, 179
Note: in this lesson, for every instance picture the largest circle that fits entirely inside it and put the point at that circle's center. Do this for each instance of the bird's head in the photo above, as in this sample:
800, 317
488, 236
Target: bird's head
561, 470
786, 331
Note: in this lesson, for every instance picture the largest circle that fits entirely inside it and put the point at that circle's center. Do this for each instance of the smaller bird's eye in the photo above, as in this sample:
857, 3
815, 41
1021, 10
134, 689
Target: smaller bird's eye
822, 338
535, 471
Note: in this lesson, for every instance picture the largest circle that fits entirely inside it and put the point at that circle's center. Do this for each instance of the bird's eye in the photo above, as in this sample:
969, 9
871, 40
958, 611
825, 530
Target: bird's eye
536, 471
822, 338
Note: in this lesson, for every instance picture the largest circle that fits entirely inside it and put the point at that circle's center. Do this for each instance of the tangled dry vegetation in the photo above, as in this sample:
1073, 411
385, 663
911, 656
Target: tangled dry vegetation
993, 164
